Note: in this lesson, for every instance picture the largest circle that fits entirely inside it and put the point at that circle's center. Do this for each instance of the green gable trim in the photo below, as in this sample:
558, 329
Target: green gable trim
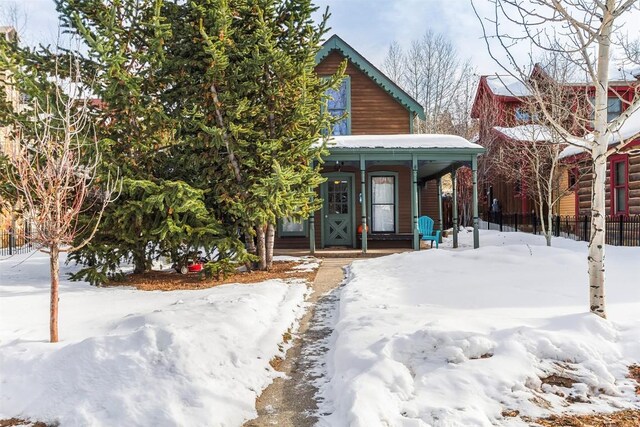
337, 44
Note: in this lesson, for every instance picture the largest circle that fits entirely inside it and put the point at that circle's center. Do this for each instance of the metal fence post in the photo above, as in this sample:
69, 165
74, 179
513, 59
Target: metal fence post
621, 231
584, 228
11, 240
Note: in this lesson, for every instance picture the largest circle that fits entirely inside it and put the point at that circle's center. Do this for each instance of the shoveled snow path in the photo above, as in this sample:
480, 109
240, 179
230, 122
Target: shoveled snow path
291, 401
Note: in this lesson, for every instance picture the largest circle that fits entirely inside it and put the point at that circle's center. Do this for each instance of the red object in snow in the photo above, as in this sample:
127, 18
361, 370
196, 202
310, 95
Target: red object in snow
195, 267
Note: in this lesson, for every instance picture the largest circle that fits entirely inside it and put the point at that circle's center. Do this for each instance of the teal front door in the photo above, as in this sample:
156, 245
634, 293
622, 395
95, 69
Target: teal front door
338, 218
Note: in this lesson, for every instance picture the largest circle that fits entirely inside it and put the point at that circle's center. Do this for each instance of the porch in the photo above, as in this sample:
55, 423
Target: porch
376, 188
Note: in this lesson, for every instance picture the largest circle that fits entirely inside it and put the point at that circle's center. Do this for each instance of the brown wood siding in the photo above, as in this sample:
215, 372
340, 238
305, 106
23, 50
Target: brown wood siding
584, 191
429, 202
373, 111
404, 219
634, 184
634, 189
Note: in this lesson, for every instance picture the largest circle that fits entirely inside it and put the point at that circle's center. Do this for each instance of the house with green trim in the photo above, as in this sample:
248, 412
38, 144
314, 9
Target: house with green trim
381, 177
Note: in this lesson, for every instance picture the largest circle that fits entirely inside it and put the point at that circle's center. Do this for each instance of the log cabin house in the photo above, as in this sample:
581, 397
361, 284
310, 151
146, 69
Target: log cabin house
507, 121
380, 176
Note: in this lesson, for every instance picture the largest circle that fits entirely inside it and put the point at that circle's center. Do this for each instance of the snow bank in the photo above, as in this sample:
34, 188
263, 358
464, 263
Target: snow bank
453, 338
138, 358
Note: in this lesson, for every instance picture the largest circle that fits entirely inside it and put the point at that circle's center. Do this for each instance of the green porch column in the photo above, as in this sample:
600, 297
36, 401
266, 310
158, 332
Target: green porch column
440, 221
455, 208
476, 224
414, 202
312, 232
363, 201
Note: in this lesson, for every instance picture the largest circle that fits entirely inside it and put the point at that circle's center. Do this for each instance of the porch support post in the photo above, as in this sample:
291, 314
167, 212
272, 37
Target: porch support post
440, 221
476, 224
312, 231
363, 201
455, 207
414, 202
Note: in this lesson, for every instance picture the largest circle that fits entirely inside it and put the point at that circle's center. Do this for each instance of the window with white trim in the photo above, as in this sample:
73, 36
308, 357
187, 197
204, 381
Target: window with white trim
383, 204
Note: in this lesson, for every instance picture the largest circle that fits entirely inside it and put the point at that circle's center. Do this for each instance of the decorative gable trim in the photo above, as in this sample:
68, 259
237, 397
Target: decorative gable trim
335, 43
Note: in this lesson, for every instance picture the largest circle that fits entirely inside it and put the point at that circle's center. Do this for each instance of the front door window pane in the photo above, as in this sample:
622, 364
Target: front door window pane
338, 196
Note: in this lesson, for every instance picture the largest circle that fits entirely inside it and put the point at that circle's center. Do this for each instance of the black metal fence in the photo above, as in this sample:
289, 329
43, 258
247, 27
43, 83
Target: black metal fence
16, 242
621, 230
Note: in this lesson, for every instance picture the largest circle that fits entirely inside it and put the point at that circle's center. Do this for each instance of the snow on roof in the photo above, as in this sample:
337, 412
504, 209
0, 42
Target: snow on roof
526, 132
407, 141
507, 86
628, 130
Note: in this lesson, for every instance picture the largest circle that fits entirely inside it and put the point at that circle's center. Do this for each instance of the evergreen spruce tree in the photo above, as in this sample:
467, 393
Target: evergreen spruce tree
157, 214
207, 104
253, 97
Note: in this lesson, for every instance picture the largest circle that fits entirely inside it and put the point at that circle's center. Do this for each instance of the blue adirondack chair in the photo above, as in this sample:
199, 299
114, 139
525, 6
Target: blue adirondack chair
425, 226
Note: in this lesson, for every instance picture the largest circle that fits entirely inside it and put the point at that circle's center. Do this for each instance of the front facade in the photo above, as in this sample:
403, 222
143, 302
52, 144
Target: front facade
380, 177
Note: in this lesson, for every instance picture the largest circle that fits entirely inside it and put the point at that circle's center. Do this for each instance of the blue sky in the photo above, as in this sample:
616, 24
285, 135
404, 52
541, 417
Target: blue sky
367, 25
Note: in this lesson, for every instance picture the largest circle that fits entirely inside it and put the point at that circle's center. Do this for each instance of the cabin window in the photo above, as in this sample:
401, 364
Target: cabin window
572, 179
614, 107
290, 227
383, 203
339, 105
619, 188
522, 115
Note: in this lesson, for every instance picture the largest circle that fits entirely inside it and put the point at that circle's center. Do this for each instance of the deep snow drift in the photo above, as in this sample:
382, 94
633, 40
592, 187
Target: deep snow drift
454, 338
134, 358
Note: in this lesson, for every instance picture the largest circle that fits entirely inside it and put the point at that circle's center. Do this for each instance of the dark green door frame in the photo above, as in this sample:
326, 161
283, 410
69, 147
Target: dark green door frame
338, 229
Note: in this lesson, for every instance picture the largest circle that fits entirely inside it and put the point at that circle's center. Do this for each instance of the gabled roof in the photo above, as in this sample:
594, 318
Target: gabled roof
335, 43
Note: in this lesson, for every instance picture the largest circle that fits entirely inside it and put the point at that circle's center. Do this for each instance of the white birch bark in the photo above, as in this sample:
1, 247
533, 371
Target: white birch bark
596, 255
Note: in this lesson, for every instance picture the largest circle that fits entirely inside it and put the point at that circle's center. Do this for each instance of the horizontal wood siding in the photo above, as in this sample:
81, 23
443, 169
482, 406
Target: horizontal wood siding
373, 111
429, 202
584, 191
567, 203
634, 184
585, 184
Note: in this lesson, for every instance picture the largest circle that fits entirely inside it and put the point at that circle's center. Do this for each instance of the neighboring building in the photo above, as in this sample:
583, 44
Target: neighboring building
622, 183
500, 107
379, 174
7, 220
9, 34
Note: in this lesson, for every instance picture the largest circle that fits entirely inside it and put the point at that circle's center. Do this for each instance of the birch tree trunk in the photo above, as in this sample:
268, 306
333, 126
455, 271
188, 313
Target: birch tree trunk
54, 256
596, 255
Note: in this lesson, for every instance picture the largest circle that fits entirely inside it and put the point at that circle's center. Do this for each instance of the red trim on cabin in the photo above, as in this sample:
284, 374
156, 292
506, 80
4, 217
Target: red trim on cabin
613, 161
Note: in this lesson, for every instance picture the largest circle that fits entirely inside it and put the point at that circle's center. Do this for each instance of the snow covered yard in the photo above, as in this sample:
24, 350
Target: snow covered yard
128, 357
474, 337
